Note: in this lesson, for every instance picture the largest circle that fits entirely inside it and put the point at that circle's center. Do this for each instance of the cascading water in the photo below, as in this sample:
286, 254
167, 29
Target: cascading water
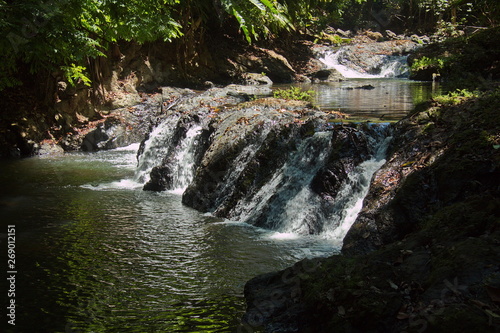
286, 201
273, 202
287, 204
388, 66
184, 161
163, 147
155, 149
349, 201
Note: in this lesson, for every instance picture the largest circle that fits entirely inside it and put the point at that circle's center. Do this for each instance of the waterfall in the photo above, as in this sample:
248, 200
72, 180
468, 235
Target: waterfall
184, 160
168, 147
349, 200
385, 66
287, 198
155, 149
287, 204
272, 205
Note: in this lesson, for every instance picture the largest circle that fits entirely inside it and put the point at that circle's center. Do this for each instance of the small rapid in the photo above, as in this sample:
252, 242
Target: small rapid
286, 203
385, 66
184, 160
156, 147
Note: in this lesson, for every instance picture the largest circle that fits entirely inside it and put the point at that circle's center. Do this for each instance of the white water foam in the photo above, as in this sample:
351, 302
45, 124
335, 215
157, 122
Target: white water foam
124, 184
276, 200
353, 193
392, 66
134, 147
184, 161
287, 205
155, 149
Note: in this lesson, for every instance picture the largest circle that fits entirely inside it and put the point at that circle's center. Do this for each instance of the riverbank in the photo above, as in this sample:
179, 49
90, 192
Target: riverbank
49, 115
423, 253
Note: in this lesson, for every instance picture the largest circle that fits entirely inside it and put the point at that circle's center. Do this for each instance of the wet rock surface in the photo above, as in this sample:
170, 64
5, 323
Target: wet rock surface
365, 57
252, 159
422, 254
119, 129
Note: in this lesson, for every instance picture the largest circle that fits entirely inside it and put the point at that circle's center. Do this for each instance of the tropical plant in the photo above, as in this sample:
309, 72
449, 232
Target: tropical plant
426, 62
65, 34
295, 93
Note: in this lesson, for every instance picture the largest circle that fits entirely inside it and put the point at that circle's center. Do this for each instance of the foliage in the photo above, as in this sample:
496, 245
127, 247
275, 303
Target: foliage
455, 97
464, 62
50, 35
445, 17
332, 39
294, 93
64, 34
425, 62
74, 74
45, 35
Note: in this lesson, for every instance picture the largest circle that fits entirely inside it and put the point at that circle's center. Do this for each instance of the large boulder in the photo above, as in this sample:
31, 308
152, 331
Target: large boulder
422, 254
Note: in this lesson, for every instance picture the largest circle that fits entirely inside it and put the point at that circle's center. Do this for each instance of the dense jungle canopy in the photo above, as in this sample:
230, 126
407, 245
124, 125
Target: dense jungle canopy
65, 35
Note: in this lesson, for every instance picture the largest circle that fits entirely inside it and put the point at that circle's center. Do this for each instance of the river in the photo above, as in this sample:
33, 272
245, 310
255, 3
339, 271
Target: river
95, 253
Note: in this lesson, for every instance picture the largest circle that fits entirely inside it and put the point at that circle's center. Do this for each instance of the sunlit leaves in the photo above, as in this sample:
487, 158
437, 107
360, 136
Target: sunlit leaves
49, 34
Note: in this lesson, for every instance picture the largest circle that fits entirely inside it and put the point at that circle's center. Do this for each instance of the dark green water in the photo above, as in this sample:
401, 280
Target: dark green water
96, 254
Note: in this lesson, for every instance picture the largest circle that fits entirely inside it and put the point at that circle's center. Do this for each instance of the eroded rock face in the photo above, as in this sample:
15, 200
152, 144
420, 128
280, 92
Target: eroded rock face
252, 161
124, 127
424, 250
436, 162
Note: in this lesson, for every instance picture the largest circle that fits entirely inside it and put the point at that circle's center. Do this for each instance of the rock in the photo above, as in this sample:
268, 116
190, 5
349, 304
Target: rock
350, 149
49, 148
329, 75
370, 57
161, 179
391, 35
406, 188
258, 124
375, 35
124, 127
255, 79
248, 92
424, 245
236, 166
241, 147
345, 34
276, 66
417, 39
274, 299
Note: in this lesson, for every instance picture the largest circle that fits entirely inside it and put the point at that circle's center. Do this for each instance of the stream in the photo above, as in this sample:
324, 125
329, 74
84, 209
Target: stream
96, 253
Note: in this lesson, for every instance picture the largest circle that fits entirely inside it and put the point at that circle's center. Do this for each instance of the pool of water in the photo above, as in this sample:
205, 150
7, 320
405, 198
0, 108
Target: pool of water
373, 99
95, 253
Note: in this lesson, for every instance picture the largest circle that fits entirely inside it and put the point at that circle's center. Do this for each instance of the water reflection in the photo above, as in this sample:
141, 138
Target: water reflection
98, 257
387, 99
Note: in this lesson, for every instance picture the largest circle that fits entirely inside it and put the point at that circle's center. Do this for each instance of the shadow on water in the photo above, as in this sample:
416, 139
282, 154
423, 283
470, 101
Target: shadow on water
94, 255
